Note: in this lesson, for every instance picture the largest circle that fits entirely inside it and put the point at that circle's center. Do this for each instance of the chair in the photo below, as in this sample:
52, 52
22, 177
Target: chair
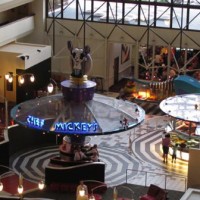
121, 189
95, 189
154, 193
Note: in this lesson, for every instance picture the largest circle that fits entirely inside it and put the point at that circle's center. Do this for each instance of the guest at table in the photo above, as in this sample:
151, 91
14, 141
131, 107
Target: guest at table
79, 155
93, 150
94, 157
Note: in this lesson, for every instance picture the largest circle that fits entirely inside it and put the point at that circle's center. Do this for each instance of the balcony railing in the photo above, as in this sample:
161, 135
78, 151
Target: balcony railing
166, 181
16, 29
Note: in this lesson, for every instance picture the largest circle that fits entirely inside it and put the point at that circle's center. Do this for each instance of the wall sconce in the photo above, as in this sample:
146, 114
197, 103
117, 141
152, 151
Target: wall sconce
23, 57
21, 79
9, 77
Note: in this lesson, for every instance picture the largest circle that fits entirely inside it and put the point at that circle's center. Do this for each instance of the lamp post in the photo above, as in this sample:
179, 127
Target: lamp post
20, 187
50, 86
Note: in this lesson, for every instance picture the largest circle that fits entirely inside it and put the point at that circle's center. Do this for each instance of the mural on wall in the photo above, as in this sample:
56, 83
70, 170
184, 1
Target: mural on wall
125, 53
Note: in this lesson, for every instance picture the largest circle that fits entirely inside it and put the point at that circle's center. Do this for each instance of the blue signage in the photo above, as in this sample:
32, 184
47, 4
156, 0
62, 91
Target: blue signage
35, 121
74, 127
69, 127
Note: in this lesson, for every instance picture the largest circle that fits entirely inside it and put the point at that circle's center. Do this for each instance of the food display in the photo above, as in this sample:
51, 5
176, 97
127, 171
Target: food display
145, 90
184, 144
183, 141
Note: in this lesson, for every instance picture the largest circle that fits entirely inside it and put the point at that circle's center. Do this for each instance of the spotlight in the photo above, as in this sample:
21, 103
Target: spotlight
22, 57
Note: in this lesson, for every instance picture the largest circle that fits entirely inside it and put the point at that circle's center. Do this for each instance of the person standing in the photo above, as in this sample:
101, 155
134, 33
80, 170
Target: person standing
79, 155
165, 144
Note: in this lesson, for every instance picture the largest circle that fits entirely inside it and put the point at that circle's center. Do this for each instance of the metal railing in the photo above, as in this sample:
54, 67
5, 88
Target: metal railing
166, 181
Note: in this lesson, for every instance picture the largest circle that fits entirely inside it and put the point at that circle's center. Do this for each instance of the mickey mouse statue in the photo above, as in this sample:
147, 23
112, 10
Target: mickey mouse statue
81, 61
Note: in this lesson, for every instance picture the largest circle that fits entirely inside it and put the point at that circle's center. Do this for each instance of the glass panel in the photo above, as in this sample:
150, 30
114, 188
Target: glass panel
163, 16
69, 10
131, 14
194, 19
87, 9
115, 12
100, 10
194, 2
163, 1
147, 15
177, 15
54, 5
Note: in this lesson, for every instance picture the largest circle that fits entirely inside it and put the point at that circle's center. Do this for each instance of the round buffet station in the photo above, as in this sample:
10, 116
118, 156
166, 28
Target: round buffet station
183, 127
76, 115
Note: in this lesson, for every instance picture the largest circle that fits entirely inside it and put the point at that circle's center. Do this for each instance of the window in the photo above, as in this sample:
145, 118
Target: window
177, 14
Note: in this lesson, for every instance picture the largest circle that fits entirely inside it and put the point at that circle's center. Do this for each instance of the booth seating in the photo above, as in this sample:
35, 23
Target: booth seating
59, 161
154, 193
66, 179
10, 197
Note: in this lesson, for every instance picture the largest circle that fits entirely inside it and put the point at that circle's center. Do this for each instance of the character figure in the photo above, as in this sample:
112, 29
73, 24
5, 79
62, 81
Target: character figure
124, 123
81, 60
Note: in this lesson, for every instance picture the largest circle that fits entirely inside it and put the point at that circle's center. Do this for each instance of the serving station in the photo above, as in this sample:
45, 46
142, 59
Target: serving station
137, 89
183, 127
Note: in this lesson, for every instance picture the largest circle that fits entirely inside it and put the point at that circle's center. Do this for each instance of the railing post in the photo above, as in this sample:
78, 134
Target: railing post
126, 175
146, 179
6, 113
185, 184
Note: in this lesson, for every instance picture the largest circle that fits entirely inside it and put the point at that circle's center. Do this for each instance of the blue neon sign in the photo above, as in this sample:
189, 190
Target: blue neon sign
69, 127
74, 127
35, 121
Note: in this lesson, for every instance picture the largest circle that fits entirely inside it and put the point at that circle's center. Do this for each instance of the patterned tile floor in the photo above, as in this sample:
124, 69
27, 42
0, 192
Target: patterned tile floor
133, 156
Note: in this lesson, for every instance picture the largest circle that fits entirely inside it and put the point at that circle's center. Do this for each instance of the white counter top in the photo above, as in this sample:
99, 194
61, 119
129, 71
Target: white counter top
191, 194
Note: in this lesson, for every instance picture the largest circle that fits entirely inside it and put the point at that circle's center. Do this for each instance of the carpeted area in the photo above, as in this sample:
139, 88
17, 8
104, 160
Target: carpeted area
124, 191
11, 183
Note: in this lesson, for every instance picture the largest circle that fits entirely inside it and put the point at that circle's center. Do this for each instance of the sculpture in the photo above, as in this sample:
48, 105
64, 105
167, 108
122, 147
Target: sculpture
81, 61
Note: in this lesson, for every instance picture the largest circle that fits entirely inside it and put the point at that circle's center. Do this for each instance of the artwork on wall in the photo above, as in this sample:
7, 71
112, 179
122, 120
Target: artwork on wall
125, 53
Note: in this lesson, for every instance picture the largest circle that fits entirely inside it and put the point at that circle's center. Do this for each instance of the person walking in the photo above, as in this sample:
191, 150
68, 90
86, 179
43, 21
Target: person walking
165, 144
175, 147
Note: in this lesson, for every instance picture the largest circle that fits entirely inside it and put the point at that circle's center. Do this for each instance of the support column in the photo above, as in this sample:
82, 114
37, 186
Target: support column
136, 60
